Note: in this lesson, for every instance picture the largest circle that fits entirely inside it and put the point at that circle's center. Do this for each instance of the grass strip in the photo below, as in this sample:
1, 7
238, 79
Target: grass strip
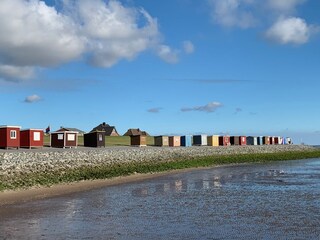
125, 169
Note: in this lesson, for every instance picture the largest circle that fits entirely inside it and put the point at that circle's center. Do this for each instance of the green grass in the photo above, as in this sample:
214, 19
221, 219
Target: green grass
117, 141
109, 171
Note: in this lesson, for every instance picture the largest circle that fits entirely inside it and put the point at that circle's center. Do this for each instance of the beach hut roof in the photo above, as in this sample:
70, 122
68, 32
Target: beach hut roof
62, 129
135, 132
106, 128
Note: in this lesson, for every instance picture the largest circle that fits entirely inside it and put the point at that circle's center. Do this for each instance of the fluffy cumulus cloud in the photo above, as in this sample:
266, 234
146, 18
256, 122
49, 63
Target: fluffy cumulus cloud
290, 31
284, 29
232, 13
35, 35
32, 99
210, 107
113, 31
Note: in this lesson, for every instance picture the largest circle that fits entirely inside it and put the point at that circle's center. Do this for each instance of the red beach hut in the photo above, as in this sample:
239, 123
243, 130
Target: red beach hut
243, 140
9, 137
31, 138
63, 139
224, 141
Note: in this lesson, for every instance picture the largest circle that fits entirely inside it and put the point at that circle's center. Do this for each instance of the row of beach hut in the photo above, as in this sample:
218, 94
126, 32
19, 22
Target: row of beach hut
216, 140
14, 137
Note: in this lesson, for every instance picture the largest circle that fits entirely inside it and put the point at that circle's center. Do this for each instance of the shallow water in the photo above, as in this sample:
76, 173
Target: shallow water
260, 201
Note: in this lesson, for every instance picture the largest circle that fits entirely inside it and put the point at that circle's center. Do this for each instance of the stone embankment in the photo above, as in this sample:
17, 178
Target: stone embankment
17, 162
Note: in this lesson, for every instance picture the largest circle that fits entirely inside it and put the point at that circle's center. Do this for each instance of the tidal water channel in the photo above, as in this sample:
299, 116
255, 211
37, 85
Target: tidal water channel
279, 200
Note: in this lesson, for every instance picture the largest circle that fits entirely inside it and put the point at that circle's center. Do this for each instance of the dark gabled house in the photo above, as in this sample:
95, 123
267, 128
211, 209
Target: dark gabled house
135, 132
109, 130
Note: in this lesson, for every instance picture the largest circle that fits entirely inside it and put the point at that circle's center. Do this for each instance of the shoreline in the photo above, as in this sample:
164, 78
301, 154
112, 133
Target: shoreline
53, 175
9, 197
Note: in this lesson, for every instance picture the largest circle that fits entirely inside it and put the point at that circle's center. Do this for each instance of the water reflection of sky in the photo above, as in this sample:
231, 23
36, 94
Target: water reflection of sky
261, 201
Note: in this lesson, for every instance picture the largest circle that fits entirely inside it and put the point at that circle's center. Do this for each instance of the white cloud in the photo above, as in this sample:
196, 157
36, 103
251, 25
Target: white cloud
114, 32
233, 13
284, 6
290, 31
188, 47
167, 54
32, 99
286, 28
210, 107
35, 35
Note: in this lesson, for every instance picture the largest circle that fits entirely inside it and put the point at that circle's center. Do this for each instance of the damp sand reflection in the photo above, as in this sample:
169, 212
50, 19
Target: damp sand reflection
260, 201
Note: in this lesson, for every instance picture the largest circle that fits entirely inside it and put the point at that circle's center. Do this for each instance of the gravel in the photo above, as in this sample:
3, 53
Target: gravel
16, 162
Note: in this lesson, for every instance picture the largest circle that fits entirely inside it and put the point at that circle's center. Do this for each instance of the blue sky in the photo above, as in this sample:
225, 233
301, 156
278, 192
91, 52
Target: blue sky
233, 67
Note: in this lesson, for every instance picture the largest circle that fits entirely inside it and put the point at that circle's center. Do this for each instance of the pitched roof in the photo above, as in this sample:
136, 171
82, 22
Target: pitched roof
106, 128
71, 129
135, 132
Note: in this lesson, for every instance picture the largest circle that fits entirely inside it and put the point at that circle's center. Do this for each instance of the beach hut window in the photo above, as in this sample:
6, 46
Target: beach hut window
60, 136
13, 134
71, 137
36, 136
100, 137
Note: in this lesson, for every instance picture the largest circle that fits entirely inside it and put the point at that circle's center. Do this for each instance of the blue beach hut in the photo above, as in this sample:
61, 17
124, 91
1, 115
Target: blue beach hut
260, 140
250, 140
186, 141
